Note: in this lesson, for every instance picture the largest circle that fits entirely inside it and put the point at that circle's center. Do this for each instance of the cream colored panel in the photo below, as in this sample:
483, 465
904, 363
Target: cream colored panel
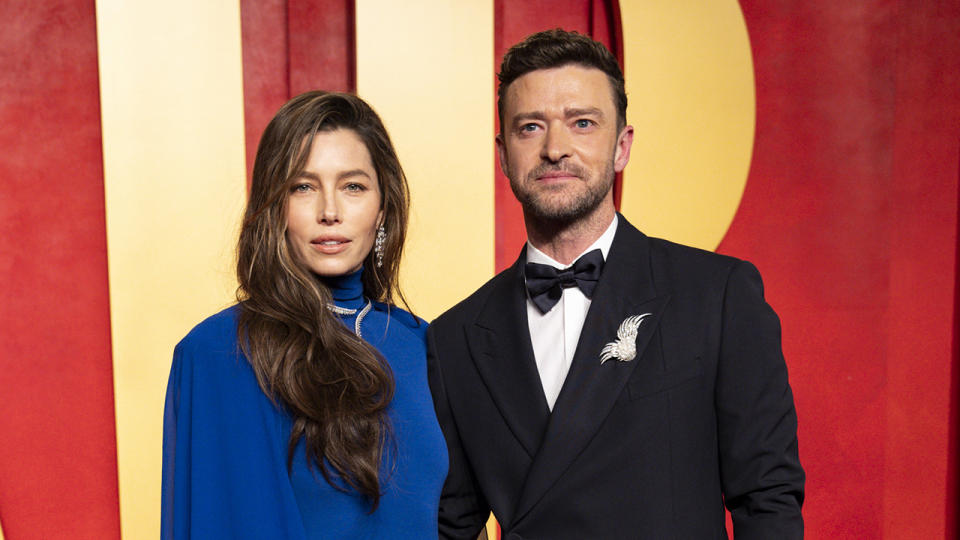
689, 76
172, 106
427, 67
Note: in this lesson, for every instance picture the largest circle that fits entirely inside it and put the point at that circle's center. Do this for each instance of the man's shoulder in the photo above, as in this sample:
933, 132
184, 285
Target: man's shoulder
688, 256
673, 262
680, 267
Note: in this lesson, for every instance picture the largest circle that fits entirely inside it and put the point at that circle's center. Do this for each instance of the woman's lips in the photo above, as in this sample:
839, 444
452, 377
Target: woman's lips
329, 246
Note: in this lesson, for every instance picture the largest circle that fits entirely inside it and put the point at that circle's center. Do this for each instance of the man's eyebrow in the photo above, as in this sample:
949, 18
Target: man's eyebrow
532, 115
587, 111
567, 113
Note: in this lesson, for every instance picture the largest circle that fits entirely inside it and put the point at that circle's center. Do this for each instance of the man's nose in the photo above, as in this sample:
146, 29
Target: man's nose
556, 144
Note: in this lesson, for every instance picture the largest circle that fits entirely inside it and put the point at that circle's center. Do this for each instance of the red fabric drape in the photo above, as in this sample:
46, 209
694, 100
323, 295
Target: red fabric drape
289, 47
58, 464
850, 212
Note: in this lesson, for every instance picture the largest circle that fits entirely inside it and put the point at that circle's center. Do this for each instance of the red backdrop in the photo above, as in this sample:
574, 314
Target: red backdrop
850, 212
58, 465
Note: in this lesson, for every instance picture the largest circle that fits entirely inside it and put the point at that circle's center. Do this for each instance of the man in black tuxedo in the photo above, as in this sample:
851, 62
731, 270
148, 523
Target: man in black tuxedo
607, 385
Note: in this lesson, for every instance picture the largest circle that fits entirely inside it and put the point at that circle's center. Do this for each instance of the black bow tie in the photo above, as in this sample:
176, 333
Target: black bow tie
545, 283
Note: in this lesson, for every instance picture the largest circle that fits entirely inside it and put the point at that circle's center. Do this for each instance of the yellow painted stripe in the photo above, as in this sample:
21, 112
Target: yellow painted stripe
491, 528
427, 67
689, 74
172, 107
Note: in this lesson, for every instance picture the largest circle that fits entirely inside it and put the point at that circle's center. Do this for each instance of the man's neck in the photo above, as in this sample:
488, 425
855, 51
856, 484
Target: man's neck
564, 242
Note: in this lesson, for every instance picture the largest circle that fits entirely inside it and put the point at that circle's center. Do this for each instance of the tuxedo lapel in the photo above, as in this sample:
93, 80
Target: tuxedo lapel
625, 288
500, 345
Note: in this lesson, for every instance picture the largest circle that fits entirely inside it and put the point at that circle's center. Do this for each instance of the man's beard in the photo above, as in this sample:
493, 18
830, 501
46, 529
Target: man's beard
538, 203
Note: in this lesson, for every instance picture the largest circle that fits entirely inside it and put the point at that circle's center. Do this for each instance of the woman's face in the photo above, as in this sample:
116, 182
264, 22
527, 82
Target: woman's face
333, 209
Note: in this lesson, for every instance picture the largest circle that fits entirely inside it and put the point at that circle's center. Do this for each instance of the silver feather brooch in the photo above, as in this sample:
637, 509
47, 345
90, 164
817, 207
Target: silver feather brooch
624, 348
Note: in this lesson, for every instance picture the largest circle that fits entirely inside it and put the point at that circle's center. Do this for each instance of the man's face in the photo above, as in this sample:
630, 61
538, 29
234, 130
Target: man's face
559, 144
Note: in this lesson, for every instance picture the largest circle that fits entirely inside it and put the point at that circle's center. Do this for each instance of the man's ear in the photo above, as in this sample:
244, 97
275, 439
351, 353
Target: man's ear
621, 154
502, 153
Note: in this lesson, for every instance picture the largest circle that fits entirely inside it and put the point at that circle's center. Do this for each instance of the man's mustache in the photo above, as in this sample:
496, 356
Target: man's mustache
546, 167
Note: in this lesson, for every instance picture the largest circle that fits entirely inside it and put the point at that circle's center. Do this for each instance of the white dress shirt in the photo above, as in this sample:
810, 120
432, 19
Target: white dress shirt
555, 334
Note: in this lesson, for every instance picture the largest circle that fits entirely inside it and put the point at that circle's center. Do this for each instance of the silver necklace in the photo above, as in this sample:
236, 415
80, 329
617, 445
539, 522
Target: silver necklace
347, 311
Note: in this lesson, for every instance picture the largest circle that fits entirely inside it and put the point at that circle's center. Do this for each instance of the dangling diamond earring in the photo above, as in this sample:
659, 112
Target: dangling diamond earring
378, 245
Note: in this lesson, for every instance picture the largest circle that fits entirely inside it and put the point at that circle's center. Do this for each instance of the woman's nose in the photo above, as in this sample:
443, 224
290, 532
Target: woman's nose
329, 211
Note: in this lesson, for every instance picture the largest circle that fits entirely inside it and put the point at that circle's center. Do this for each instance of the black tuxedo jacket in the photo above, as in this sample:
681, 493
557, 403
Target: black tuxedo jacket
648, 448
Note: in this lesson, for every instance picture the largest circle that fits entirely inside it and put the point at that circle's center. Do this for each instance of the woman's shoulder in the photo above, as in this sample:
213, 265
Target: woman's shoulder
216, 333
408, 320
215, 326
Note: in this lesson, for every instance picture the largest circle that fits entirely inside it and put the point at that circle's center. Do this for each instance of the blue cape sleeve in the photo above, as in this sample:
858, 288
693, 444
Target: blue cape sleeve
224, 445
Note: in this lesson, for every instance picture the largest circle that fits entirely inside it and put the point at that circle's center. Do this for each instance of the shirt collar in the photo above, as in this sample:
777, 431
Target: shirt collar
602, 243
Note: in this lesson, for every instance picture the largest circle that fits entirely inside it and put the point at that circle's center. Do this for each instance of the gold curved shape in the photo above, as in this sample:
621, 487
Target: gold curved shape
689, 74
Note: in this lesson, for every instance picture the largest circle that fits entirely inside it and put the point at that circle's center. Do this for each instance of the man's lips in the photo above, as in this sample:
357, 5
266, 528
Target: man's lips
553, 176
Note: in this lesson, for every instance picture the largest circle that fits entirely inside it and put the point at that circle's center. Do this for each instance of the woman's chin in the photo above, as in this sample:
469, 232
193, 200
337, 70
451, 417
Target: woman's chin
335, 268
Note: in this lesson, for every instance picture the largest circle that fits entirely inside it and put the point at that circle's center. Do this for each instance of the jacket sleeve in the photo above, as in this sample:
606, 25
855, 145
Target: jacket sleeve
224, 469
762, 478
463, 509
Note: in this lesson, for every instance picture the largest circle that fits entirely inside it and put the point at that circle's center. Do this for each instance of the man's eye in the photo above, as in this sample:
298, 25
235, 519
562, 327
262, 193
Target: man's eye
583, 124
528, 127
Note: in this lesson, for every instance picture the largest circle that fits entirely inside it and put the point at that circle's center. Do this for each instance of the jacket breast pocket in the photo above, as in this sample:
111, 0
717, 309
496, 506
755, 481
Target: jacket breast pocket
643, 385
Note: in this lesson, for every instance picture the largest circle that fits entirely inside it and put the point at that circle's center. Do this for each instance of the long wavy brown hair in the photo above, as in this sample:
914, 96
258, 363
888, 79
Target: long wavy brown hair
335, 386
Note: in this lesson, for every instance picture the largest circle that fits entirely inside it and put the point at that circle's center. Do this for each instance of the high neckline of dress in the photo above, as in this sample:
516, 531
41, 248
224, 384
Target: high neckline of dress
347, 290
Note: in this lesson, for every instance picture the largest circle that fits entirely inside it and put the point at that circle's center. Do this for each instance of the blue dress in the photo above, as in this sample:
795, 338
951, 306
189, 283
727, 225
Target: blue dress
225, 469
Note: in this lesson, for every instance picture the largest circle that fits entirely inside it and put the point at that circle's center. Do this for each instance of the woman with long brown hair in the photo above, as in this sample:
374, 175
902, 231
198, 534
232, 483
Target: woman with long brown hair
303, 411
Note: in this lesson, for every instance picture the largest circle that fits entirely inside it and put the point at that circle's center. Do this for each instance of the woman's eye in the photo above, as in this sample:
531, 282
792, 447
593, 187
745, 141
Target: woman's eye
355, 187
300, 188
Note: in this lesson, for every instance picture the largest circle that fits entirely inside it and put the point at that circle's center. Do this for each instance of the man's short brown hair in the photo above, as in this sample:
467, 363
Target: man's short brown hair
556, 48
